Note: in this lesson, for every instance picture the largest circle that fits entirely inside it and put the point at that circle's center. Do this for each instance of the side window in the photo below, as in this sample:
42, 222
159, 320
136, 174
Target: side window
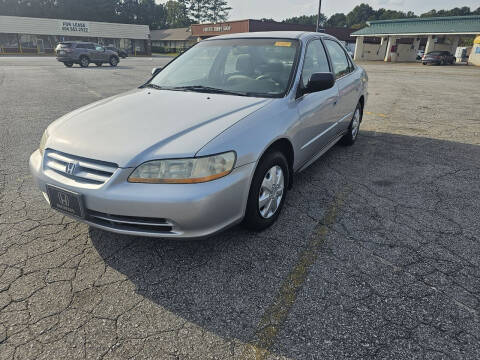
90, 46
340, 62
315, 61
99, 48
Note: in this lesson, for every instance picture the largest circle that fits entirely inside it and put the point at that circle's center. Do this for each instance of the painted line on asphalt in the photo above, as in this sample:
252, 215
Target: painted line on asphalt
276, 315
374, 114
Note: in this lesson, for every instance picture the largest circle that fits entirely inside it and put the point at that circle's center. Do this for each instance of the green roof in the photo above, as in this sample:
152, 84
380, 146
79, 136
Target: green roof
418, 26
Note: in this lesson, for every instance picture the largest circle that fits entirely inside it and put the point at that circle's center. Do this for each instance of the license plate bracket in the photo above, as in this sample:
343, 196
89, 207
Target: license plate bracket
65, 201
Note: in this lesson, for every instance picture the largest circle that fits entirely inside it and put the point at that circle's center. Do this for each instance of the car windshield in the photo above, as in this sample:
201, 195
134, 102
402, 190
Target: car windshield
251, 67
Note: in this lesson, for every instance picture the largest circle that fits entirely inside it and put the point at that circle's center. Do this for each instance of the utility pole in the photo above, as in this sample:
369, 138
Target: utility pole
319, 16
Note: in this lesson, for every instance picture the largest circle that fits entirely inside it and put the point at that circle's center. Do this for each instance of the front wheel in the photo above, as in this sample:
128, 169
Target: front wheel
267, 192
68, 64
113, 61
352, 133
84, 62
98, 64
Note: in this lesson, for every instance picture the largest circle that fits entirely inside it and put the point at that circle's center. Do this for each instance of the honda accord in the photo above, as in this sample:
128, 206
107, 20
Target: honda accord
211, 140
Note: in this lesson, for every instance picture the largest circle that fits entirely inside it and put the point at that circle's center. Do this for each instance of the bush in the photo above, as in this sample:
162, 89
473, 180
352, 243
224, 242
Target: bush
158, 49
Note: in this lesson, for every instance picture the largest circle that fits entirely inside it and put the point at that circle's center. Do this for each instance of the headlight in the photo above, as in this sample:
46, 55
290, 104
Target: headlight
184, 171
43, 142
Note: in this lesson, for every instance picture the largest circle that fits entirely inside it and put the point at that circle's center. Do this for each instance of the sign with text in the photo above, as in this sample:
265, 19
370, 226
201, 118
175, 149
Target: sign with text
219, 28
73, 27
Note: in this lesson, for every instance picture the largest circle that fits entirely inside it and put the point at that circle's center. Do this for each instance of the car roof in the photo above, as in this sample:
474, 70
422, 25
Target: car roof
271, 34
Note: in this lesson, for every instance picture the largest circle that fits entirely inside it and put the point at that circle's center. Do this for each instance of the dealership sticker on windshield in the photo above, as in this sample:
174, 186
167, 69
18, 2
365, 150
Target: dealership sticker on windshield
283, 43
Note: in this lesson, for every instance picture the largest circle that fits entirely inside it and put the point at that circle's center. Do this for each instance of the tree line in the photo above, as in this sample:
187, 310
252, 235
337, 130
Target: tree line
362, 13
173, 13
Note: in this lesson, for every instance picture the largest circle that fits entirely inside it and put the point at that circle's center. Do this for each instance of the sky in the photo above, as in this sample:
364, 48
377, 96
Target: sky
281, 9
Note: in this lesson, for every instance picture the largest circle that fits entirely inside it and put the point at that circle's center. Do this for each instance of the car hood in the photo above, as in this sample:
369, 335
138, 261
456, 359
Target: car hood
147, 124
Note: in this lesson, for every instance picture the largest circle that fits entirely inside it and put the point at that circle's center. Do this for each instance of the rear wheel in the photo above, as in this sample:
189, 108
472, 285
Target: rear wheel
68, 64
113, 61
267, 192
351, 136
84, 61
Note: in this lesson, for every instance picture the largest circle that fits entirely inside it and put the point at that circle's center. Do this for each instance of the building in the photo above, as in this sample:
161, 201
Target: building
23, 35
474, 58
172, 40
400, 40
205, 31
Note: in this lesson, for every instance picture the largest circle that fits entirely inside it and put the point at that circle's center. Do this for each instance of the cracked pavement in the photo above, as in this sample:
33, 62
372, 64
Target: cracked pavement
375, 256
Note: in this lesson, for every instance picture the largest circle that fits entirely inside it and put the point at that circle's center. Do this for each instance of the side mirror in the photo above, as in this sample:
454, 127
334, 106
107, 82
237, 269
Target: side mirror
155, 71
319, 82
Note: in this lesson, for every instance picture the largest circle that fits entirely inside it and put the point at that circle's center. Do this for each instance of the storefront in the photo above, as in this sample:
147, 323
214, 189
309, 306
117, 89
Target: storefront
172, 40
402, 40
23, 35
204, 31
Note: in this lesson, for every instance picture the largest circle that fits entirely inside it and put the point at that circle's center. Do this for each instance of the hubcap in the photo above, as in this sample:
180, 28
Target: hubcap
356, 123
271, 192
84, 62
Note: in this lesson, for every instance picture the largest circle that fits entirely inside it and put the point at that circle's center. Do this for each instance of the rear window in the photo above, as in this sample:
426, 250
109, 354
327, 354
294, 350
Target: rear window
64, 45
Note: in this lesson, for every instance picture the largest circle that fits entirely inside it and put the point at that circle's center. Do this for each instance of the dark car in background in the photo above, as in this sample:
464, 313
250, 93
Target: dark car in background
122, 53
84, 53
438, 58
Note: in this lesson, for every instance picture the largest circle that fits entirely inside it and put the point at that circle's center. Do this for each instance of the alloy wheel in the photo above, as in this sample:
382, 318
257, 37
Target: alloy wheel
356, 123
271, 193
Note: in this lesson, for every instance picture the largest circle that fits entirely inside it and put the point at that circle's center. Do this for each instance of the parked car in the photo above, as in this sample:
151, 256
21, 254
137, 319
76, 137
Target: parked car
218, 140
84, 53
122, 53
420, 54
438, 58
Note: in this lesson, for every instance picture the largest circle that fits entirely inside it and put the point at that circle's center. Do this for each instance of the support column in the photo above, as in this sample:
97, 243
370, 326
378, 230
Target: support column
391, 42
430, 44
359, 48
455, 42
416, 47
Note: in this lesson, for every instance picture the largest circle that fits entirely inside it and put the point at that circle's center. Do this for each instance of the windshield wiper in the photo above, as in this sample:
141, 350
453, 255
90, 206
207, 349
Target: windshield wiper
156, 87
210, 90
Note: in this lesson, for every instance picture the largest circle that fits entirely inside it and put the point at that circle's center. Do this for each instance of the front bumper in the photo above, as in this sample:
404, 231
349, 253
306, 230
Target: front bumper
192, 210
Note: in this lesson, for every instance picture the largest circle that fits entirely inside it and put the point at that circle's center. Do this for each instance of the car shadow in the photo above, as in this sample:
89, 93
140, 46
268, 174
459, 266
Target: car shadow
104, 67
225, 283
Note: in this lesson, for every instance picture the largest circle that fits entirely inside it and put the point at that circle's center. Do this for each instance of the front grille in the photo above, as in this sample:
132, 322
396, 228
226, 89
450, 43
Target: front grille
130, 223
78, 168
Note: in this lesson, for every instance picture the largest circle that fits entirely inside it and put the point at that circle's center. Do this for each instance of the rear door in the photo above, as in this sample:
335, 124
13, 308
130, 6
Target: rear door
349, 84
317, 111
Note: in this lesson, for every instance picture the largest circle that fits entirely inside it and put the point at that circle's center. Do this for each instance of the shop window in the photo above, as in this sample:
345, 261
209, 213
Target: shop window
8, 43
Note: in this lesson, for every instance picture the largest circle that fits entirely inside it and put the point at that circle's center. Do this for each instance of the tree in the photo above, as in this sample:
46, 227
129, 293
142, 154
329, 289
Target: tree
217, 10
176, 14
306, 20
198, 10
337, 20
360, 15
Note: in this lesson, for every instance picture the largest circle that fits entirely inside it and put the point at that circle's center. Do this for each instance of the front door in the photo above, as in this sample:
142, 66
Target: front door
317, 111
349, 85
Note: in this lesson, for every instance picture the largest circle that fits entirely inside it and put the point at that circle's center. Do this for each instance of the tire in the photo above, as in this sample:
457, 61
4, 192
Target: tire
272, 167
98, 64
113, 61
84, 61
68, 64
354, 128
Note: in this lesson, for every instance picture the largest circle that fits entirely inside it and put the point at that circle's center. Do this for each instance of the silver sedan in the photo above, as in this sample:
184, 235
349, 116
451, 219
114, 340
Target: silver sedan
211, 140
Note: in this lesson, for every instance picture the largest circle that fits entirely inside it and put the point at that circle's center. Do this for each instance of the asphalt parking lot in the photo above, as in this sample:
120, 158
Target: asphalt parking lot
376, 255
